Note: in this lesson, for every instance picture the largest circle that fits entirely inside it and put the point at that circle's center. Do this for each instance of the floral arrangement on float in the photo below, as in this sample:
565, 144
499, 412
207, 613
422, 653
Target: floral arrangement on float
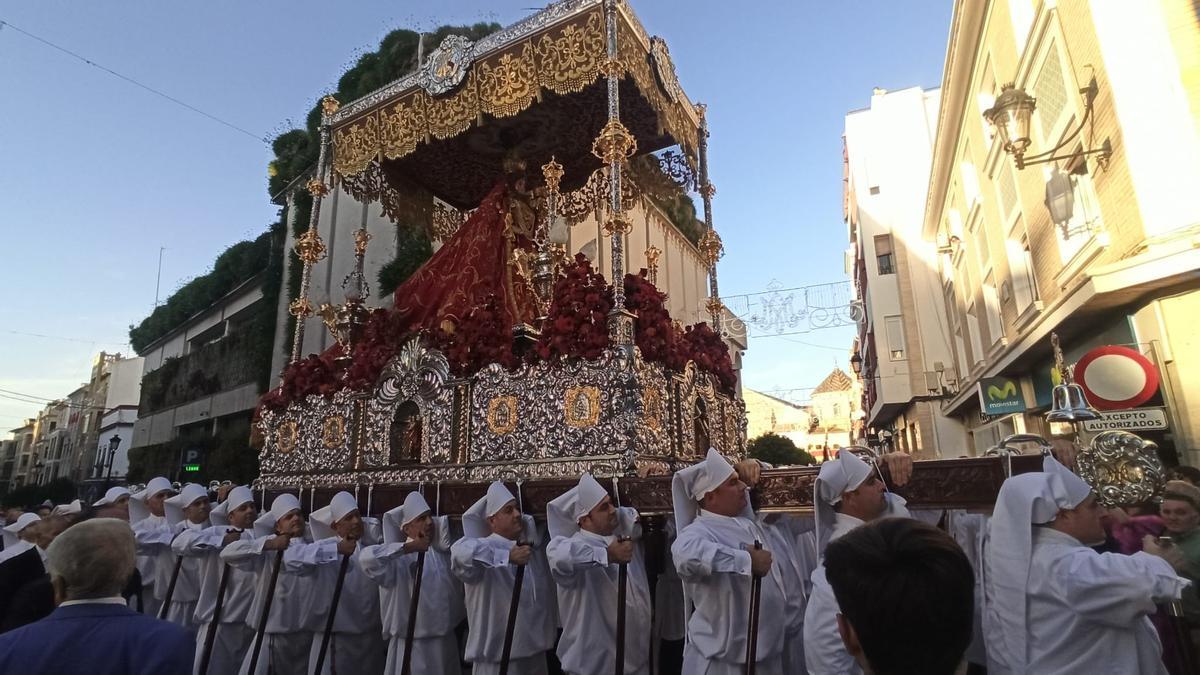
575, 328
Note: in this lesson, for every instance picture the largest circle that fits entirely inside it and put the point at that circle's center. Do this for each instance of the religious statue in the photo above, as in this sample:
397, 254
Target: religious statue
482, 258
405, 436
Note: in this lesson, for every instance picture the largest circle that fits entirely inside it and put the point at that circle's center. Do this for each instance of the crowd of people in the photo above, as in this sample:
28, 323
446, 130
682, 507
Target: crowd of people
174, 579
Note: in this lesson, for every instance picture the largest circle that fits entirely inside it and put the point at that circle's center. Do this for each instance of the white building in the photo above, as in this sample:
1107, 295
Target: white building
907, 360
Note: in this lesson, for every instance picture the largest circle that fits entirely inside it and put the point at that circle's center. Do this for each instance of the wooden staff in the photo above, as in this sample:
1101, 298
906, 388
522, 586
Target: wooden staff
337, 595
752, 624
511, 626
410, 632
622, 584
266, 611
162, 611
211, 638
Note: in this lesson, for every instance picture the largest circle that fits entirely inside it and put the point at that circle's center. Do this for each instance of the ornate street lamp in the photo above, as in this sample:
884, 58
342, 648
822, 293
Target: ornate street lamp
112, 451
856, 363
1009, 117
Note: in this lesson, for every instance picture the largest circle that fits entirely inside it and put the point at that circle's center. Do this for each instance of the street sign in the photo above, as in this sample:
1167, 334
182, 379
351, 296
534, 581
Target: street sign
191, 468
1137, 419
1000, 396
1116, 378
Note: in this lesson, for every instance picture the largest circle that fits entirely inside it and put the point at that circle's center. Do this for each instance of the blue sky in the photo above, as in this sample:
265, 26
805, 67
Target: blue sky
98, 174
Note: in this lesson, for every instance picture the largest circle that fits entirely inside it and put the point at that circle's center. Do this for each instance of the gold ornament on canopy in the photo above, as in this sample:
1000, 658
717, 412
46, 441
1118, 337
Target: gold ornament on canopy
310, 248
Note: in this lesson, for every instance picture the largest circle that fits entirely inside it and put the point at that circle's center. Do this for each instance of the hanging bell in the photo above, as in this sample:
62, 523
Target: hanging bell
1068, 404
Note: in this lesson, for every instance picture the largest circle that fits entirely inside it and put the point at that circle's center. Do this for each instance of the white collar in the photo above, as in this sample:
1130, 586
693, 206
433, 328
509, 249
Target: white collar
709, 514
594, 538
1052, 536
114, 600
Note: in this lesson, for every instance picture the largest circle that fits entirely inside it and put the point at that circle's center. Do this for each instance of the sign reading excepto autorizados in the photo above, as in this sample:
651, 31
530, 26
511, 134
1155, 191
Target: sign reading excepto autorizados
1137, 419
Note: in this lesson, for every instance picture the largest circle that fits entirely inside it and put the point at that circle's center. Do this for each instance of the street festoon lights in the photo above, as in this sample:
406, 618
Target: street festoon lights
1011, 113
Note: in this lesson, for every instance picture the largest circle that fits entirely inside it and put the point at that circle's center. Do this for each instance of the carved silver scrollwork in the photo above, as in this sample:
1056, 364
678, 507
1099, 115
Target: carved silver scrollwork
1122, 468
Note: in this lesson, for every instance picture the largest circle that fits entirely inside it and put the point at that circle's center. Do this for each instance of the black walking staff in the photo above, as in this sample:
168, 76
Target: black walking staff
266, 611
410, 633
511, 626
162, 611
211, 638
622, 585
752, 624
337, 595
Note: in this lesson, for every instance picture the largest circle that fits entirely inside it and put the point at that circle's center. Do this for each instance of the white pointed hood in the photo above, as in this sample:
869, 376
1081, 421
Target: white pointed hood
414, 507
563, 512
836, 477
12, 532
1024, 501
689, 486
174, 506
112, 495
137, 502
234, 500
68, 509
322, 520
475, 523
283, 505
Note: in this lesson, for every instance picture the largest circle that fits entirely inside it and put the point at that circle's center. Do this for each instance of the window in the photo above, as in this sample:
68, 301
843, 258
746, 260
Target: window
1050, 90
1020, 265
970, 178
1082, 206
874, 189
1006, 192
991, 301
973, 332
884, 255
895, 337
960, 346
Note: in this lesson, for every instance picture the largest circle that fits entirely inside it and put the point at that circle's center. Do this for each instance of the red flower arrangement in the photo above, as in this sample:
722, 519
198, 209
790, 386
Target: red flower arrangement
711, 354
483, 337
577, 324
654, 333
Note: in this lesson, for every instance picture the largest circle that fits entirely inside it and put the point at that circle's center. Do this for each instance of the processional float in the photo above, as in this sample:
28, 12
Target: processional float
580, 90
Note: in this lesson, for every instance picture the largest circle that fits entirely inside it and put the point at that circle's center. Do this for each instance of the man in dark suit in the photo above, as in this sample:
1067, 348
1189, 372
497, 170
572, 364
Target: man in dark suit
93, 630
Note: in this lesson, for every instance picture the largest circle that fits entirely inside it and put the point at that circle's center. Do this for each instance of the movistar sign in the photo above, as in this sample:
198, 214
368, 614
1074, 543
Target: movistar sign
1000, 396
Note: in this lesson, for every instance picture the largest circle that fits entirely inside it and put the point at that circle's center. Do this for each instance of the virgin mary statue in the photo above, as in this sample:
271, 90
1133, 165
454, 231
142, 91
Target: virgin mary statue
476, 262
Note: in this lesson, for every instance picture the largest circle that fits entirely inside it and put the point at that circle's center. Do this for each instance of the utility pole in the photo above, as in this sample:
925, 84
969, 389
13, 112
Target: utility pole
158, 278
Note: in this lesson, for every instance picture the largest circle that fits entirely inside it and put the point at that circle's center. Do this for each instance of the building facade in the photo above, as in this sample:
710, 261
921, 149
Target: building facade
1102, 251
907, 364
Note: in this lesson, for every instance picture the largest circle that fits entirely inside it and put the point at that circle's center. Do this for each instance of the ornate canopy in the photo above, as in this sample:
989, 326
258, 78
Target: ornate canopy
448, 126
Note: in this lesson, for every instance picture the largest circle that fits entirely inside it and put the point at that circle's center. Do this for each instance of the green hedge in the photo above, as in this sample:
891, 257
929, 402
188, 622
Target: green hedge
232, 268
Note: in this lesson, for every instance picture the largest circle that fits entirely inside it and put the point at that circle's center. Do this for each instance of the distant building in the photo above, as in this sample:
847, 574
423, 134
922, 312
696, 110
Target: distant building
767, 414
907, 361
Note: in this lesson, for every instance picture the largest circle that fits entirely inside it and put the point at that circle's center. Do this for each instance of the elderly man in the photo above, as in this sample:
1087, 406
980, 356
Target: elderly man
848, 493
590, 538
716, 556
498, 540
1057, 606
92, 630
356, 644
148, 518
289, 624
409, 530
232, 520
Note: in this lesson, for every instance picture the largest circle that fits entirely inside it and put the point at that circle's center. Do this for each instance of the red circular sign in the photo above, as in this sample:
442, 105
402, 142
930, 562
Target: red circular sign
1115, 378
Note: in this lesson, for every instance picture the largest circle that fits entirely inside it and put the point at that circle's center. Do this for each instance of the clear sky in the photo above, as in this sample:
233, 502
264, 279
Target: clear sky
97, 174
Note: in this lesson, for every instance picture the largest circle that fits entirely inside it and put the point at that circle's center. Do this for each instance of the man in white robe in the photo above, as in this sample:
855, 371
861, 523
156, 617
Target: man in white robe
590, 537
291, 622
848, 492
21, 535
498, 539
187, 510
148, 518
232, 520
1057, 606
356, 642
408, 530
716, 558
